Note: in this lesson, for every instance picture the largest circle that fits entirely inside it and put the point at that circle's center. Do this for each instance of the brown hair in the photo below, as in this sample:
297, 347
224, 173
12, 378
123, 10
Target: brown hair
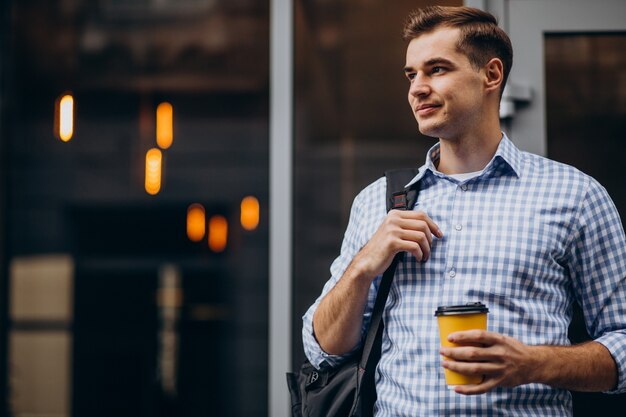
481, 38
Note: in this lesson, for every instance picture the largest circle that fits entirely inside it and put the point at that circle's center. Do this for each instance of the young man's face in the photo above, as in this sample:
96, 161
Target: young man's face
446, 93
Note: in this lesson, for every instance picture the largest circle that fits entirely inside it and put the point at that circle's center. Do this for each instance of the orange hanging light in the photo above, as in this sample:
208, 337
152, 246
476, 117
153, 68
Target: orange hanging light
249, 213
196, 222
64, 117
164, 125
154, 161
218, 233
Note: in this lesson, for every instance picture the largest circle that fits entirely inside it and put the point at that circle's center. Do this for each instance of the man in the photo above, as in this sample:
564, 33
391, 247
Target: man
526, 236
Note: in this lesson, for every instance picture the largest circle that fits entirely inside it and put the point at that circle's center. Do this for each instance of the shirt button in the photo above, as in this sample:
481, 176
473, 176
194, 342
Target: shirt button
458, 227
452, 273
464, 187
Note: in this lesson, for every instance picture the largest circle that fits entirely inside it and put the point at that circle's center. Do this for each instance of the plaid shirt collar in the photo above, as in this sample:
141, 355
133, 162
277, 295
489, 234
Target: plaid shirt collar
507, 160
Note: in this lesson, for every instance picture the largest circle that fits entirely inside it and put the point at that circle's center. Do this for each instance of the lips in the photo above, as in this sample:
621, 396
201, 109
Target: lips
426, 108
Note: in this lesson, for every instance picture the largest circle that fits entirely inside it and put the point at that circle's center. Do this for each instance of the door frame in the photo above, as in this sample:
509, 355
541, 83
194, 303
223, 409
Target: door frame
281, 204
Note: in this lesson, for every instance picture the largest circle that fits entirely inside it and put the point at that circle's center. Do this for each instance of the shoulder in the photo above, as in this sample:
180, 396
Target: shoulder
373, 193
556, 174
369, 205
550, 178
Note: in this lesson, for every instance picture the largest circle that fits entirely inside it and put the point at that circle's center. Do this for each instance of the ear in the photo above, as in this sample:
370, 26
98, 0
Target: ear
494, 73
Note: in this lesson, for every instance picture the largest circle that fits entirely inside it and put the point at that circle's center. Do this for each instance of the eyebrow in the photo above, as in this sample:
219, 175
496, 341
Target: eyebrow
432, 62
438, 60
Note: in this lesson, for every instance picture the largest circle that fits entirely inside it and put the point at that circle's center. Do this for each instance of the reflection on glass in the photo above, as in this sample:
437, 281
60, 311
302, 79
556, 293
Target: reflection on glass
42, 296
170, 298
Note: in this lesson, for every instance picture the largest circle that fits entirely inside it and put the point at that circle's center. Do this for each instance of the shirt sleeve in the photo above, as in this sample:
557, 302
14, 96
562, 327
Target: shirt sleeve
354, 239
598, 265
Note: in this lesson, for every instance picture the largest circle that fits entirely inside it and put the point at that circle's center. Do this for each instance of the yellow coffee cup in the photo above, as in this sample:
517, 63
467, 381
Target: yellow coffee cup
457, 318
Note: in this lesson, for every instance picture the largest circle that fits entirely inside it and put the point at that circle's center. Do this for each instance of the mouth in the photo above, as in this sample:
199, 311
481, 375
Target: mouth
426, 108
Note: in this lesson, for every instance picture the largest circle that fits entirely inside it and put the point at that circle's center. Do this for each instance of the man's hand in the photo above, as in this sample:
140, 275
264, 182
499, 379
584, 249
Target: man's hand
506, 362
410, 231
502, 360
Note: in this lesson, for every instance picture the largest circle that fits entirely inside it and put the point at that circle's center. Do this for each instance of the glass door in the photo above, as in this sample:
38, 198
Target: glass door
352, 122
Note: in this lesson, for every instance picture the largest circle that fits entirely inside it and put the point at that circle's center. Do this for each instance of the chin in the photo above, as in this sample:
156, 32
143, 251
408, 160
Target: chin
427, 130
430, 135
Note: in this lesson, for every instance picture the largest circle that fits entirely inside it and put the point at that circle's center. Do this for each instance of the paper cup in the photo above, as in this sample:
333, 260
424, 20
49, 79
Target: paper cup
458, 318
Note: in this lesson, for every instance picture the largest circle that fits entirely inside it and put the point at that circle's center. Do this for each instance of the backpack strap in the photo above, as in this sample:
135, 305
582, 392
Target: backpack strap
397, 196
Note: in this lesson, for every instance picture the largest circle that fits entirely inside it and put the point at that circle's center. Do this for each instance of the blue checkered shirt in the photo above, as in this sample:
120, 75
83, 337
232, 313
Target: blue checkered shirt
528, 237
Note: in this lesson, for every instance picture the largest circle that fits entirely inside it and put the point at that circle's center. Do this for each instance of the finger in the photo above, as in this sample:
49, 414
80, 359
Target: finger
472, 368
416, 250
431, 225
421, 250
416, 234
487, 385
420, 239
482, 337
469, 353
420, 215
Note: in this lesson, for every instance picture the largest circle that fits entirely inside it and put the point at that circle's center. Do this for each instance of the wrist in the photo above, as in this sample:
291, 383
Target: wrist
360, 269
539, 366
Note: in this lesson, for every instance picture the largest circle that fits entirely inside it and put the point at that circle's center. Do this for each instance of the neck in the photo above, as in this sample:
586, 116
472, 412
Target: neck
460, 159
469, 153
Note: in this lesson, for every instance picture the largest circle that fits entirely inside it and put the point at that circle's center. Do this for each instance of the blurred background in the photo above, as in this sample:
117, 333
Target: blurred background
135, 160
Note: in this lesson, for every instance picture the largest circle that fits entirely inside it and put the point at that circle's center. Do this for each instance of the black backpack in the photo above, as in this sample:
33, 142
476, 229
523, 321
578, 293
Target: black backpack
348, 390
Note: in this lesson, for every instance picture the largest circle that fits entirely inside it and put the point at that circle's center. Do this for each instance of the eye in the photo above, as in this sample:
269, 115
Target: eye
410, 76
437, 70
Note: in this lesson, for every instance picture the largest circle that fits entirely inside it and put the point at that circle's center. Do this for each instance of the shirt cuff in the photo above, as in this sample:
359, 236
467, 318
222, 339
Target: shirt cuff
615, 342
315, 354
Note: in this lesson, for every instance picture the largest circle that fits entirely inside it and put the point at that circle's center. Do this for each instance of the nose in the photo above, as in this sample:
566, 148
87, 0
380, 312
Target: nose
419, 87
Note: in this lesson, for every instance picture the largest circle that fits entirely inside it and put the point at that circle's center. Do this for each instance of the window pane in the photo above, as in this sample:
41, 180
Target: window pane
148, 310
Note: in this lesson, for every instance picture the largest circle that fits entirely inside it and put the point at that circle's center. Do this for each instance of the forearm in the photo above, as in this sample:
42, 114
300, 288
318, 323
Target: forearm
584, 367
338, 318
